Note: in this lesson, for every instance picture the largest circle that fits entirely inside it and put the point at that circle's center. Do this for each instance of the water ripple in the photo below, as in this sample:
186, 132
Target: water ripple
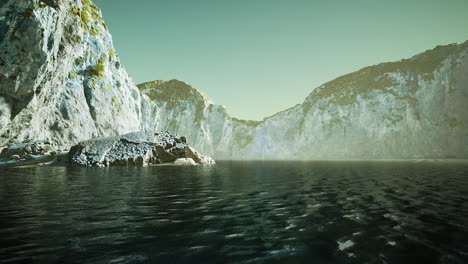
237, 212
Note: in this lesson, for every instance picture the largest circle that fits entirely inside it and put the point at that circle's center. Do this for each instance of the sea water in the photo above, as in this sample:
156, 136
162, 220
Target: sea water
237, 212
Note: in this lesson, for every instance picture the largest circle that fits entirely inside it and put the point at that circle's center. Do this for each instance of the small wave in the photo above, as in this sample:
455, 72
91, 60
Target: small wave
285, 251
209, 231
209, 217
235, 235
344, 245
180, 202
197, 248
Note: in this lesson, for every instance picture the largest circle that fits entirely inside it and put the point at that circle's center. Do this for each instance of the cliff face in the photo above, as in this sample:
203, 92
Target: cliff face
208, 127
60, 77
62, 81
414, 108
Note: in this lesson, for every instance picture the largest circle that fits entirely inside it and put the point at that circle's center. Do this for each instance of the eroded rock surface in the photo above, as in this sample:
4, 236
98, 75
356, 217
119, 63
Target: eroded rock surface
61, 79
137, 148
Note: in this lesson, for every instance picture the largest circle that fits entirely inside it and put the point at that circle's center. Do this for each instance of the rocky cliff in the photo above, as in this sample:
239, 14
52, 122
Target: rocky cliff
413, 108
188, 111
60, 77
61, 80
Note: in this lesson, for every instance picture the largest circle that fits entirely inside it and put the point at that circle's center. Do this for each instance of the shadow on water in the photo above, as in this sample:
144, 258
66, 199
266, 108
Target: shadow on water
237, 212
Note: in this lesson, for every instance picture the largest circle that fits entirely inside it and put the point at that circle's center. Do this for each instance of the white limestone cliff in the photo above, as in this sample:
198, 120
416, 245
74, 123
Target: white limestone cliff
60, 77
414, 108
61, 81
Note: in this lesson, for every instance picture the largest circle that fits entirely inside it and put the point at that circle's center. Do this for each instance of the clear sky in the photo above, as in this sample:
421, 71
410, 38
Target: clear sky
258, 57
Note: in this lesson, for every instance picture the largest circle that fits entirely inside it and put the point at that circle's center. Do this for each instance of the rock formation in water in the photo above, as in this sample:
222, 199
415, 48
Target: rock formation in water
133, 149
413, 108
137, 148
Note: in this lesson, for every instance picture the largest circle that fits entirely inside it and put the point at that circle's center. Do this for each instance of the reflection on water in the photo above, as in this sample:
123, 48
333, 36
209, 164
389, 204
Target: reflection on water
237, 212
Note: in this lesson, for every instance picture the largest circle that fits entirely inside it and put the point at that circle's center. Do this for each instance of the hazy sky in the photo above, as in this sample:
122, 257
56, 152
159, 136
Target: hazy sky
258, 57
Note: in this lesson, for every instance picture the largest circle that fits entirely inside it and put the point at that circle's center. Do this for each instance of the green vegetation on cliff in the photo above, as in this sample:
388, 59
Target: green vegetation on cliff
344, 90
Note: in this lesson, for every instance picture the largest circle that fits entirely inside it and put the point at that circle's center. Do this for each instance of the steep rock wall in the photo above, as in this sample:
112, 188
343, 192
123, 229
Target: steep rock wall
61, 80
60, 76
413, 108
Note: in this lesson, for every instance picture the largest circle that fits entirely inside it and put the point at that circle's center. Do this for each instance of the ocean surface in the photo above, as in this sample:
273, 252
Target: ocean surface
237, 212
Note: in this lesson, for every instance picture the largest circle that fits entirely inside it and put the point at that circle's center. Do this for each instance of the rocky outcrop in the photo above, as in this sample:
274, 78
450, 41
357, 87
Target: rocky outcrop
30, 153
132, 149
185, 161
26, 148
137, 148
413, 108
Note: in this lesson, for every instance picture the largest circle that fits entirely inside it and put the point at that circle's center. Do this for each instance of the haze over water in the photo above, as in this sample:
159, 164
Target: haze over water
237, 212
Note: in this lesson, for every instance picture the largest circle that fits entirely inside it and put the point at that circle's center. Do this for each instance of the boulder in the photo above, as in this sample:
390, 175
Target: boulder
134, 149
185, 161
191, 153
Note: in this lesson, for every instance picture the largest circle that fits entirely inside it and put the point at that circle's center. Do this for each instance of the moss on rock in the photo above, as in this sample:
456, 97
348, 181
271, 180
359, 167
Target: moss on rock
99, 70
